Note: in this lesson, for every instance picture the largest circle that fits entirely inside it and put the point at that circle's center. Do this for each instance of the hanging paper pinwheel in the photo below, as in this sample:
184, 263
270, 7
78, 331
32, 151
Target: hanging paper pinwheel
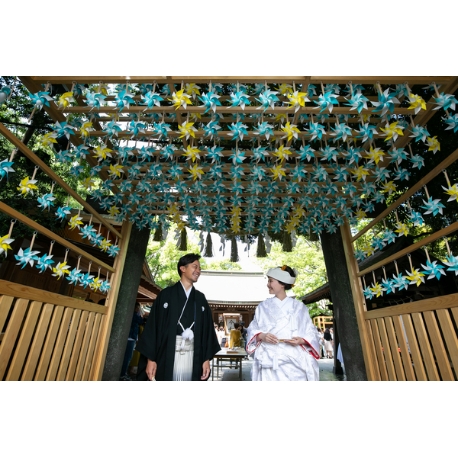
5, 92
238, 130
44, 262
433, 270
267, 99
102, 152
433, 206
433, 144
151, 99
419, 133
104, 286
187, 130
446, 101
416, 103
85, 279
239, 99
452, 122
366, 132
290, 130
210, 101
180, 99
415, 277
124, 99
385, 102
341, 132
5, 168
112, 129
297, 100
40, 99
392, 131
5, 244
316, 130
60, 270
357, 102
326, 101
27, 186
26, 256
162, 129
211, 129
94, 99
65, 100
237, 156
46, 201
452, 263
264, 129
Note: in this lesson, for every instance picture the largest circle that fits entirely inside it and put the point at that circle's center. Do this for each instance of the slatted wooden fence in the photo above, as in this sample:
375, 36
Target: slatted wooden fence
46, 336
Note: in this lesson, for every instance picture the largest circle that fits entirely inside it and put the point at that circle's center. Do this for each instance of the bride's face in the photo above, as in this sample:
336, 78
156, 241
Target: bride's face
274, 286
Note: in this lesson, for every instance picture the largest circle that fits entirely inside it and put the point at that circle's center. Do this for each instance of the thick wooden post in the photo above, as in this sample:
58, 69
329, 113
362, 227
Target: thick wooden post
346, 321
112, 298
125, 304
359, 303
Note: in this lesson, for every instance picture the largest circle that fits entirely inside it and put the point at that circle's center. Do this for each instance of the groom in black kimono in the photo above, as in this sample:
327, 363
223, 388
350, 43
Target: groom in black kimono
179, 310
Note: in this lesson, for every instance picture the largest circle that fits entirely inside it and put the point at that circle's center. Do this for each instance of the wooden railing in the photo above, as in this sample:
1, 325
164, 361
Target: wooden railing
46, 336
416, 341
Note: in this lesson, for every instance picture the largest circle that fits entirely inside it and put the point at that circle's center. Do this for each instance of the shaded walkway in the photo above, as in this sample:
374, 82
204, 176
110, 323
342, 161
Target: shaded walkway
229, 375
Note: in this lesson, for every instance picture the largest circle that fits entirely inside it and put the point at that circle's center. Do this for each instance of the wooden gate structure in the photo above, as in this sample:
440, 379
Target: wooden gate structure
234, 155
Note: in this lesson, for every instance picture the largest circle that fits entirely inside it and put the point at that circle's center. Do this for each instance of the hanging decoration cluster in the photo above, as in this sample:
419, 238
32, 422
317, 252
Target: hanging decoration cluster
241, 158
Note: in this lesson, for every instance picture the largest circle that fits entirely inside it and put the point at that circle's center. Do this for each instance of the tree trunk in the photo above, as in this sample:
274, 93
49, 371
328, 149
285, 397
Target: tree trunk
344, 309
126, 303
234, 252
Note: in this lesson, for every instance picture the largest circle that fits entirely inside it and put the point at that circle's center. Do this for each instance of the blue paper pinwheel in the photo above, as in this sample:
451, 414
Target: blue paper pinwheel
5, 168
40, 99
210, 101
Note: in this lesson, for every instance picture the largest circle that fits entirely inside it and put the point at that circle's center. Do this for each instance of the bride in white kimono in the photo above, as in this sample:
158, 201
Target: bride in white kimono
282, 335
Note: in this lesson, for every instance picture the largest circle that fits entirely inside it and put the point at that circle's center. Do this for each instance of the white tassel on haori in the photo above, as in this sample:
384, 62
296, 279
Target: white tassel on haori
187, 335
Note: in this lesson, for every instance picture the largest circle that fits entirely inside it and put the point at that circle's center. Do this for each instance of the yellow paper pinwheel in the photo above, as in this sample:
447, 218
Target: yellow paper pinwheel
282, 153
65, 100
361, 172
105, 244
192, 89
402, 229
88, 183
60, 270
285, 89
75, 221
415, 277
196, 172
392, 131
116, 170
290, 130
375, 154
192, 153
48, 139
180, 98
377, 289
101, 152
86, 128
95, 284
416, 103
187, 130
27, 186
278, 172
388, 187
5, 243
297, 99
113, 211
433, 144
360, 214
452, 191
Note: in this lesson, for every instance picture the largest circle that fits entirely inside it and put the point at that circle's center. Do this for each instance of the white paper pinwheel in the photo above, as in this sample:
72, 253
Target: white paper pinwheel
452, 263
210, 101
388, 286
264, 129
446, 101
385, 102
5, 168
104, 286
113, 250
329, 153
40, 99
341, 132
452, 122
433, 270
326, 101
267, 99
417, 161
112, 129
433, 206
26, 256
240, 99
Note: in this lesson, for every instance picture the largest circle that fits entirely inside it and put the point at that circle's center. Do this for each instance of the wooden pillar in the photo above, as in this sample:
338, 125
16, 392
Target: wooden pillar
346, 323
359, 305
125, 304
112, 297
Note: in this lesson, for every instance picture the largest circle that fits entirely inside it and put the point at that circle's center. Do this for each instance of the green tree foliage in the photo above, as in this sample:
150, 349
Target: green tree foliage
306, 258
223, 264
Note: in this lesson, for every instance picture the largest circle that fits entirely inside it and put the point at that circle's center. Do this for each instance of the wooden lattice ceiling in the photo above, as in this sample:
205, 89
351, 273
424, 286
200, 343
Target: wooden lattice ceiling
245, 154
